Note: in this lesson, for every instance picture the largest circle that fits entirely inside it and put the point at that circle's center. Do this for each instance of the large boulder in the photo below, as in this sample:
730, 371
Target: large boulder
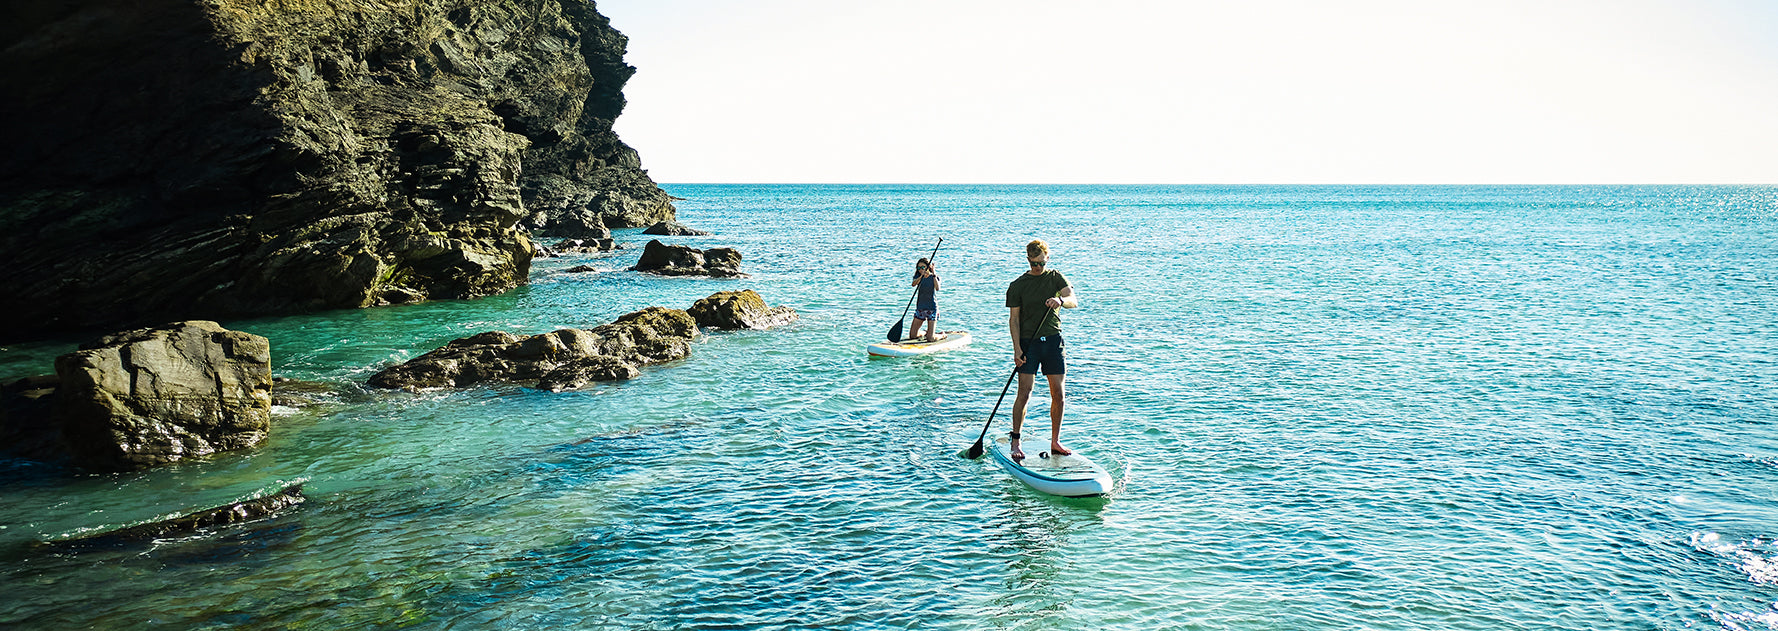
228, 158
739, 310
152, 396
562, 359
678, 260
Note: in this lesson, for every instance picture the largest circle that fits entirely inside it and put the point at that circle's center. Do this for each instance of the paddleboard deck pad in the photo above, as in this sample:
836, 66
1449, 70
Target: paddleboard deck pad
1073, 475
946, 340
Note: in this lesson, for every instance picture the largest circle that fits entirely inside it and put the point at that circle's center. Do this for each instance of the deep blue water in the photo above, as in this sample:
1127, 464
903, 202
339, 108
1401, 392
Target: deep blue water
1327, 407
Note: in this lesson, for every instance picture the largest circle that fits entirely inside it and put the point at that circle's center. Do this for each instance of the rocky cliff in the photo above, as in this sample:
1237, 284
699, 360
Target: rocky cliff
223, 158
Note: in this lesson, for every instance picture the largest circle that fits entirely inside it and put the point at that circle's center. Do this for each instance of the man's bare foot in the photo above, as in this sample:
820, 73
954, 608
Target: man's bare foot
1057, 449
1012, 447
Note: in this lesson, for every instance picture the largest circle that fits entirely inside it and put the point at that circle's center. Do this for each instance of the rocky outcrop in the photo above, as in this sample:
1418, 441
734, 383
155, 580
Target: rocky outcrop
678, 260
257, 506
152, 396
674, 229
234, 157
739, 310
563, 359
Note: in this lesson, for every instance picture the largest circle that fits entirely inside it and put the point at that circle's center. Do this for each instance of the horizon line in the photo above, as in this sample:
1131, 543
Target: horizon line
787, 183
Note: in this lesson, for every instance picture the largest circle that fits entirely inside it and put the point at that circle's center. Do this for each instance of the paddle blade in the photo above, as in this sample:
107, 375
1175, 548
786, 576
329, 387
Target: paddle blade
895, 332
975, 451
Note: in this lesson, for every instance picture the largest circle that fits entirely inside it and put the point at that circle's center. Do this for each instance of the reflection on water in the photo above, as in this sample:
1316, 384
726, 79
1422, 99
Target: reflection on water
1030, 534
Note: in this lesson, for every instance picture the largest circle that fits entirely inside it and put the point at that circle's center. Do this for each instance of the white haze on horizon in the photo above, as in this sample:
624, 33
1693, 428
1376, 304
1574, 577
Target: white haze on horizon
1273, 91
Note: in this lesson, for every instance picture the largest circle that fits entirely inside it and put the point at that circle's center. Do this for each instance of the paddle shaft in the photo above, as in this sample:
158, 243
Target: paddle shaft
895, 331
975, 451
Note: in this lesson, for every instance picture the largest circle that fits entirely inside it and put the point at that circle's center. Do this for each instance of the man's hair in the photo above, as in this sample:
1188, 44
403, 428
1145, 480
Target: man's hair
1036, 248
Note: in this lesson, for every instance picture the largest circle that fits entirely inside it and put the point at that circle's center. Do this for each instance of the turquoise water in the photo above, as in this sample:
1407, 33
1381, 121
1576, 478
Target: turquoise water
1327, 407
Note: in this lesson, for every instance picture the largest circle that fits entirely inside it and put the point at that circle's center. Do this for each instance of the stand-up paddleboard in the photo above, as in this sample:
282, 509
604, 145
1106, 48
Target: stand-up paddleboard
1068, 476
946, 340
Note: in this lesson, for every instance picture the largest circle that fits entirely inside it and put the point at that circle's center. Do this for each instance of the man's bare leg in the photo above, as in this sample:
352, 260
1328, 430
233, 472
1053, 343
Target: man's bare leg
1056, 416
1026, 382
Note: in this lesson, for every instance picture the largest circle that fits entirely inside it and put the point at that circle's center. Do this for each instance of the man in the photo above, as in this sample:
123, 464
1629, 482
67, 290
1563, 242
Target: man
1037, 338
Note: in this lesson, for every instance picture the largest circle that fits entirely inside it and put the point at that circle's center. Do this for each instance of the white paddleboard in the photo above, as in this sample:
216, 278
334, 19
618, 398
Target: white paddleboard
946, 340
1072, 475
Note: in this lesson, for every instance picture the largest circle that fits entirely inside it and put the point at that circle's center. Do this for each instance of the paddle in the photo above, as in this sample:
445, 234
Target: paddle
975, 451
895, 331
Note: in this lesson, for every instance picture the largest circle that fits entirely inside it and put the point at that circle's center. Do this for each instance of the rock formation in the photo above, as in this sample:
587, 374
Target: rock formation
739, 310
235, 157
558, 360
679, 260
152, 396
674, 229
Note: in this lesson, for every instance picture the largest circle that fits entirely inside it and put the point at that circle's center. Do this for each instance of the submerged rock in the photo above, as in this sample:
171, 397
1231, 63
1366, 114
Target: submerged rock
28, 425
583, 246
152, 396
234, 157
562, 359
674, 229
296, 393
743, 309
249, 509
678, 260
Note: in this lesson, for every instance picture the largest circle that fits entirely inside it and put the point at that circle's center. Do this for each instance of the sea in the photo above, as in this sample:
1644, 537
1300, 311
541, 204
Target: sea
1324, 407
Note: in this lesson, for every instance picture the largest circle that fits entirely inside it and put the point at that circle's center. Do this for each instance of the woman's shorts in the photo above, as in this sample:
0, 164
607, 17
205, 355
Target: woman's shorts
926, 314
1044, 352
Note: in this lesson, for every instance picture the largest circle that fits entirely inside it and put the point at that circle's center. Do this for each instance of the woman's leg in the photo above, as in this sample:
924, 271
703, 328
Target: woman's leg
914, 332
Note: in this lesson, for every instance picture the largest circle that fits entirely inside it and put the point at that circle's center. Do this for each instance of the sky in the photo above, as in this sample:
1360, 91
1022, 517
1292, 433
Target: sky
1190, 92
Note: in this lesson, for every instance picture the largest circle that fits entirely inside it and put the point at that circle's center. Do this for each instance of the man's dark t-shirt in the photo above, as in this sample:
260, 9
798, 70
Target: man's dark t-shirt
1028, 294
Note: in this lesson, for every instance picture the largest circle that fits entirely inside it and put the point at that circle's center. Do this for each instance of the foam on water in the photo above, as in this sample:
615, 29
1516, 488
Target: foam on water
1326, 407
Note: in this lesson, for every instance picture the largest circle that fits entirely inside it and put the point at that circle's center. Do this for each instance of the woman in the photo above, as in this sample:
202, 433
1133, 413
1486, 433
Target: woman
926, 312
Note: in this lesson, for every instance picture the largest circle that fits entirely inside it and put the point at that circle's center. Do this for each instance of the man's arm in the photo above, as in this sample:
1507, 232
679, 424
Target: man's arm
1064, 299
1012, 324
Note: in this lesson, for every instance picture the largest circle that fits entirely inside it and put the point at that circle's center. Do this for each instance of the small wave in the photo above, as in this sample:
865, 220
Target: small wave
1739, 621
1757, 558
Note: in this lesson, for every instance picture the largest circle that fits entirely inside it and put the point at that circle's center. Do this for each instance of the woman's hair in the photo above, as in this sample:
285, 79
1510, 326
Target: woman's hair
1036, 248
922, 263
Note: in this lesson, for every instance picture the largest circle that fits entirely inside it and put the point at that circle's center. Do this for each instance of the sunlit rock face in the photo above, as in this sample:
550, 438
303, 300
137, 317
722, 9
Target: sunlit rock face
224, 158
148, 397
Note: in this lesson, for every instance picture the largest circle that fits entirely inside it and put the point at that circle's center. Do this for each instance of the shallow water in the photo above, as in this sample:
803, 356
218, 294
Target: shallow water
1328, 407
